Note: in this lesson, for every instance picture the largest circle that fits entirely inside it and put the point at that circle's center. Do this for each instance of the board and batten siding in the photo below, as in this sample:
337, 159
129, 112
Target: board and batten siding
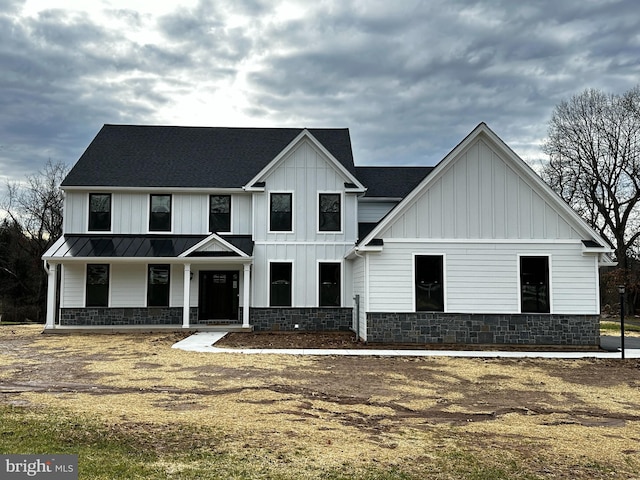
73, 285
127, 285
481, 196
305, 258
130, 213
483, 277
305, 172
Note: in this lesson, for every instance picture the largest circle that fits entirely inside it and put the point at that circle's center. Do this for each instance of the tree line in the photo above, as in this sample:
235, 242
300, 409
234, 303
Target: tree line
593, 163
31, 213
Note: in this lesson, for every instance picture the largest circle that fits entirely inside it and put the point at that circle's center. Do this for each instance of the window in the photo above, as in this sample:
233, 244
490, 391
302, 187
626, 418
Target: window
329, 220
280, 218
97, 285
160, 213
330, 285
158, 286
280, 280
534, 284
220, 213
99, 212
428, 283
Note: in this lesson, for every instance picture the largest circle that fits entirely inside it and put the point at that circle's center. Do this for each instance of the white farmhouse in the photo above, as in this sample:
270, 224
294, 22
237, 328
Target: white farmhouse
277, 229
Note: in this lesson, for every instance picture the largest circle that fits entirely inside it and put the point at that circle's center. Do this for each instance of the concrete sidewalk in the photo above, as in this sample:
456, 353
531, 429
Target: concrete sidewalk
204, 342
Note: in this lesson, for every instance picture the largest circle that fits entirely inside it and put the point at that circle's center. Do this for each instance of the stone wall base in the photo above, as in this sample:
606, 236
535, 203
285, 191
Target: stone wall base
462, 328
104, 316
284, 319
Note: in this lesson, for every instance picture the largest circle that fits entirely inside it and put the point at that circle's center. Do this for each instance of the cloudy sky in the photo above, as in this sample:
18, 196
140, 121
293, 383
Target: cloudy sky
409, 78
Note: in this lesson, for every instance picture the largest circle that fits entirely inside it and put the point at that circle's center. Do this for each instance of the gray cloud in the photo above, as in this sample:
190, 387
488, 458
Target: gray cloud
410, 80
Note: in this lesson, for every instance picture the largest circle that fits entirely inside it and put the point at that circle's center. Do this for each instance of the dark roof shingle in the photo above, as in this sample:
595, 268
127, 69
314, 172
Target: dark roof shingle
205, 157
392, 182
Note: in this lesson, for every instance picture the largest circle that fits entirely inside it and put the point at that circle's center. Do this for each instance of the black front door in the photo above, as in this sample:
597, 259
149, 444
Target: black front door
218, 295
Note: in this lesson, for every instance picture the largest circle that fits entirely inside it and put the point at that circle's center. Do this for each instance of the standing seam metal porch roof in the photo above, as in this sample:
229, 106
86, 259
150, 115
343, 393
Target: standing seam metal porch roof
140, 246
191, 157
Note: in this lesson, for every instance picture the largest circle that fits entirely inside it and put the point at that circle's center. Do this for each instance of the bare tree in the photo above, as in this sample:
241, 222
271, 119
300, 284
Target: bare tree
34, 211
594, 164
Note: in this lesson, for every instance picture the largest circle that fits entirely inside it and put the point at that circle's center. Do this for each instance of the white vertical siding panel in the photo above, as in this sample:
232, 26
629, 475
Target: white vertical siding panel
486, 187
76, 213
241, 214
176, 286
473, 209
435, 210
128, 285
460, 217
72, 296
498, 203
448, 191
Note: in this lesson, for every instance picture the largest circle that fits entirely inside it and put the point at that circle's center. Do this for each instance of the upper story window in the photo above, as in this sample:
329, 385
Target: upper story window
534, 285
220, 213
281, 218
429, 283
99, 212
160, 213
329, 214
97, 288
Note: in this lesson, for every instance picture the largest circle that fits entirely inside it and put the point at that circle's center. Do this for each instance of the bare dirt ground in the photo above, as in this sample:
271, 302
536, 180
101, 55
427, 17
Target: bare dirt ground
551, 418
347, 340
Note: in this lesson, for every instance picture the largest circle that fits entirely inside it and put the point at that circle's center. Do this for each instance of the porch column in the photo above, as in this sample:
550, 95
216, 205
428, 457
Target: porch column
51, 296
245, 295
187, 295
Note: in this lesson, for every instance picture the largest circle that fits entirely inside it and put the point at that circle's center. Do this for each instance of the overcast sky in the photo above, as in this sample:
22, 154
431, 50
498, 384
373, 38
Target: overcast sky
409, 78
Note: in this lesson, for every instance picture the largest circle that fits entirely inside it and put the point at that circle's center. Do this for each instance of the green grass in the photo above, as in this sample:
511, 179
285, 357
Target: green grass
609, 326
186, 453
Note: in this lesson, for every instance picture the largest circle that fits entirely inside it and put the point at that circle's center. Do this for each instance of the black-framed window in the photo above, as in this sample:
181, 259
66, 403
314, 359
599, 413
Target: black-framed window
534, 285
330, 284
160, 213
158, 279
220, 213
429, 283
97, 292
329, 212
280, 218
99, 212
280, 279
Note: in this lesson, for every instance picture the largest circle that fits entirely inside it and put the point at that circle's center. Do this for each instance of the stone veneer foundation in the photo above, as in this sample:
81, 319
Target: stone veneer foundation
532, 329
325, 319
104, 316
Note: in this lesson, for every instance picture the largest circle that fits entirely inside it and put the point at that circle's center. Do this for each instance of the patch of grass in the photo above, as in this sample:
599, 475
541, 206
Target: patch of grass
607, 326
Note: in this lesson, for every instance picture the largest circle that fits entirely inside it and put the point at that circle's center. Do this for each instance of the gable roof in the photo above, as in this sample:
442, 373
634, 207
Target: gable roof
482, 130
190, 157
391, 182
257, 182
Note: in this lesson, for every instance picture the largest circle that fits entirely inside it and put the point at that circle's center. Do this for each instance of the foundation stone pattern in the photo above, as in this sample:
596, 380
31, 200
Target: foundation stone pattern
283, 319
520, 329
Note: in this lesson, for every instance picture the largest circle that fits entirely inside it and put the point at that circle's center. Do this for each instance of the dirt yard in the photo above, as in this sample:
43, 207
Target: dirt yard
423, 417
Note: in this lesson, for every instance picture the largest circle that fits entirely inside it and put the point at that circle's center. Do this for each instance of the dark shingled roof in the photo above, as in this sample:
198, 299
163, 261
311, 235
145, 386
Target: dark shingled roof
394, 182
208, 157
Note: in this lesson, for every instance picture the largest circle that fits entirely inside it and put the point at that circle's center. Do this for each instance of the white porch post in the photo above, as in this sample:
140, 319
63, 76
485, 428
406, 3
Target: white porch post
187, 295
51, 296
245, 295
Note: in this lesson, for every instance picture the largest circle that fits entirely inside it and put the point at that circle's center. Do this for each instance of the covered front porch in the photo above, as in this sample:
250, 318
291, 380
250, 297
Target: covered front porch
194, 285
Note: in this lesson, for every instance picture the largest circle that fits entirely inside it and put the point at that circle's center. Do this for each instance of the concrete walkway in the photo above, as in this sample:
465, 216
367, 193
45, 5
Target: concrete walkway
204, 342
